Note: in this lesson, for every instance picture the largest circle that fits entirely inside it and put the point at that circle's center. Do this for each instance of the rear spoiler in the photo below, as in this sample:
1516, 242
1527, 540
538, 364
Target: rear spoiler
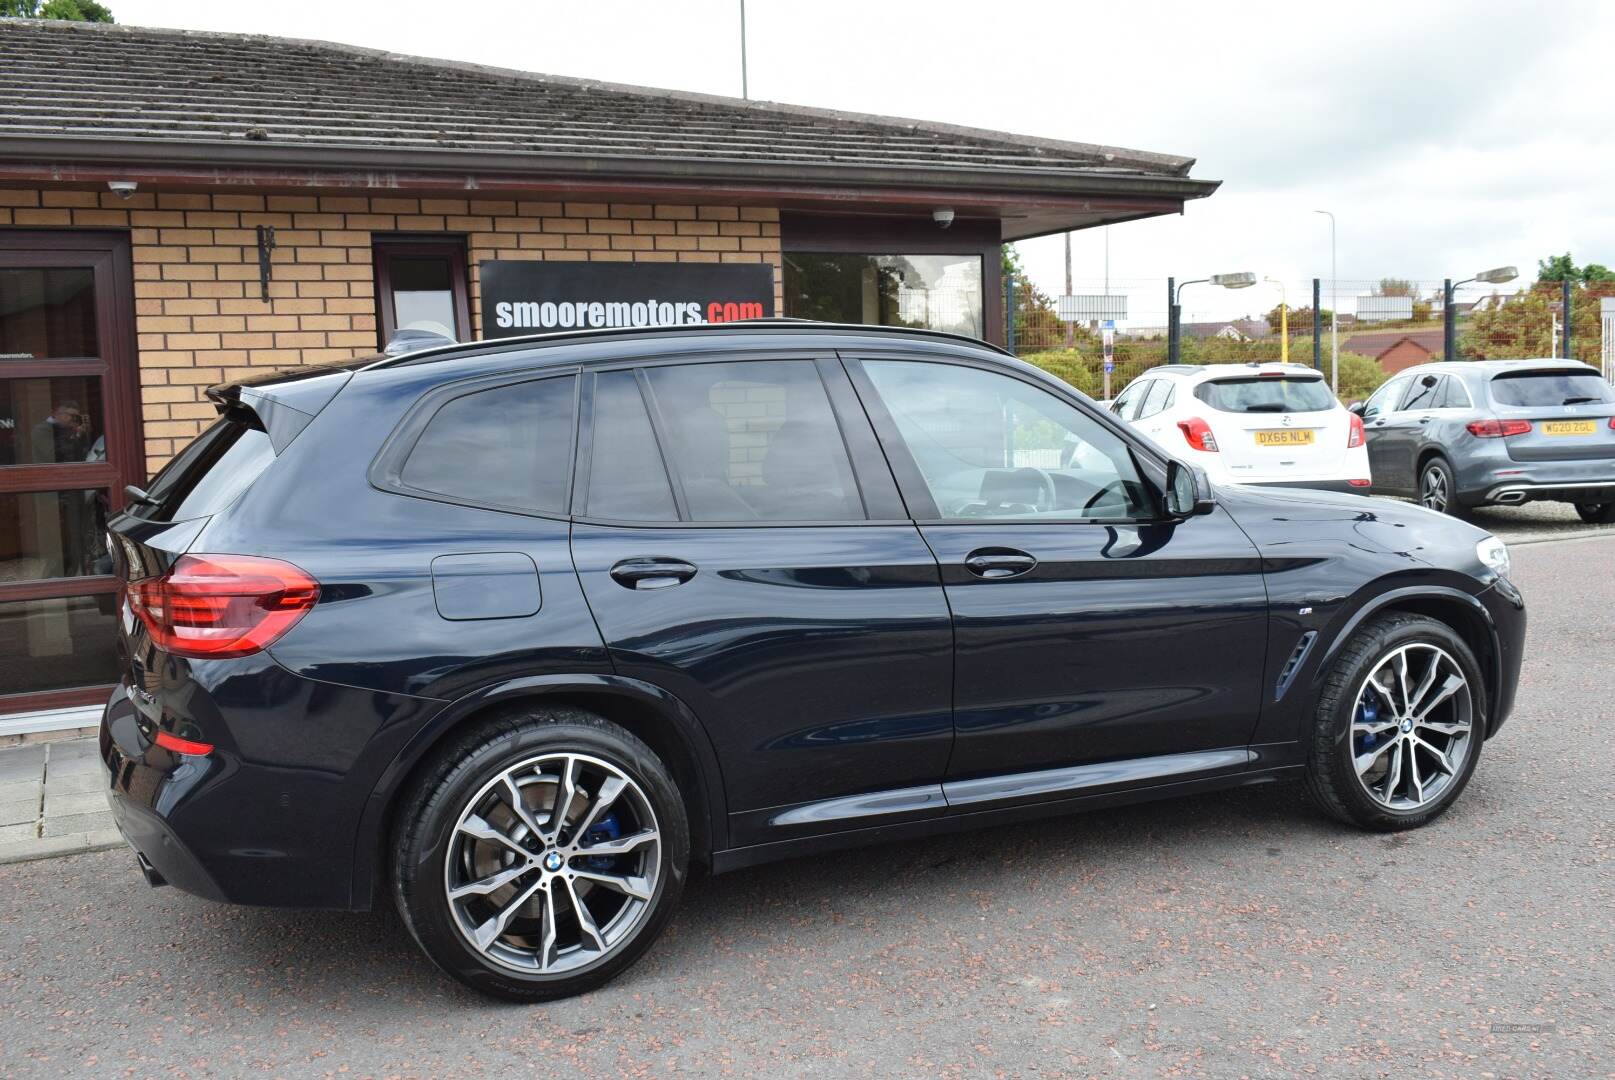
281, 403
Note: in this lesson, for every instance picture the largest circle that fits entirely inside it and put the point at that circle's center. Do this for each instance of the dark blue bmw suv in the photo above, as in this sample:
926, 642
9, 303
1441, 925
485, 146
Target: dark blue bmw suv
513, 634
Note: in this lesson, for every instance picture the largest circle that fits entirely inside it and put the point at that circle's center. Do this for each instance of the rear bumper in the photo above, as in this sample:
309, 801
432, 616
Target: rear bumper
1513, 493
272, 815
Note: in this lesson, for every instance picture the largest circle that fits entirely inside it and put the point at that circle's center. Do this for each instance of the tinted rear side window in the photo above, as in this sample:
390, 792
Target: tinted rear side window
1539, 388
209, 474
755, 440
1266, 393
509, 446
627, 480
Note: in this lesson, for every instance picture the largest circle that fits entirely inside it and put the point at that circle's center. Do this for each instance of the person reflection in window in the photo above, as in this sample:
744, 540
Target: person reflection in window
64, 435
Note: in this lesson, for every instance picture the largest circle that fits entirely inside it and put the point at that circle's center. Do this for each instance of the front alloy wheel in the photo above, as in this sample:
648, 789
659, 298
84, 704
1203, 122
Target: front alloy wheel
1399, 724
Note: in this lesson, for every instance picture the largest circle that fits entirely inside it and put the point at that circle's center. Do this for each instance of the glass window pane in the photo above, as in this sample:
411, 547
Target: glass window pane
48, 421
423, 294
58, 644
756, 441
47, 312
990, 446
627, 480
50, 534
930, 292
509, 446
1267, 393
1534, 389
209, 473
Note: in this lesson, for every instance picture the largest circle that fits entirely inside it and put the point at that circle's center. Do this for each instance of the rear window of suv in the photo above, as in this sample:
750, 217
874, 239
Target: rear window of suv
1534, 389
1266, 393
207, 475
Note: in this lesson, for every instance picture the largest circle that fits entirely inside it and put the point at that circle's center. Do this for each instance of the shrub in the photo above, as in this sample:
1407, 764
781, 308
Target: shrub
1069, 365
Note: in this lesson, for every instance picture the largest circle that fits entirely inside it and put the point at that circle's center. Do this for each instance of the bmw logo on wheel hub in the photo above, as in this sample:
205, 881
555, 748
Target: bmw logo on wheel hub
553, 861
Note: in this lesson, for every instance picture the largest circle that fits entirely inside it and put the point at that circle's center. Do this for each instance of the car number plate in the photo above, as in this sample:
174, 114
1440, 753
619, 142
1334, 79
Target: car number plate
1285, 437
1569, 427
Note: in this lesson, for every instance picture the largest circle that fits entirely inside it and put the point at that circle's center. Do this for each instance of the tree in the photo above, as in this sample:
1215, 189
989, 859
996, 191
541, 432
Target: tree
1300, 319
1395, 287
67, 10
1037, 320
1558, 268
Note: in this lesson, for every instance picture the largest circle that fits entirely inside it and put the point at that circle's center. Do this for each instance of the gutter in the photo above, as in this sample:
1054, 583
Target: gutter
56, 155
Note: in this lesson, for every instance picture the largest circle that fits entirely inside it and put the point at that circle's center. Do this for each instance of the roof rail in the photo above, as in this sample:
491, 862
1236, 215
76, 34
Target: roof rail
778, 323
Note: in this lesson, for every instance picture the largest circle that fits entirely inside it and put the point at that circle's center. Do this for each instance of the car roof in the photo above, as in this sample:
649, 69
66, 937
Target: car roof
740, 328
1224, 371
1497, 367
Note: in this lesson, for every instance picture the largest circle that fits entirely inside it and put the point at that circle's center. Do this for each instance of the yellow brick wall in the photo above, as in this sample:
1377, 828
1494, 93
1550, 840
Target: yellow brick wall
198, 316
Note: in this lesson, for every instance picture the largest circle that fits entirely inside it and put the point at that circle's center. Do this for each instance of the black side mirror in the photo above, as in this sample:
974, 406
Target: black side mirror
1188, 491
1356, 407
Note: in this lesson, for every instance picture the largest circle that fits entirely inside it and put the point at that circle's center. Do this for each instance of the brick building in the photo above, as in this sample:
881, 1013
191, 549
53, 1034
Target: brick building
181, 209
1397, 350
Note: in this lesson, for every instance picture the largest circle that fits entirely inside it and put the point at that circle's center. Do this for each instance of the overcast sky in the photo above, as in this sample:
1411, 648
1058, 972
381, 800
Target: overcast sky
1446, 137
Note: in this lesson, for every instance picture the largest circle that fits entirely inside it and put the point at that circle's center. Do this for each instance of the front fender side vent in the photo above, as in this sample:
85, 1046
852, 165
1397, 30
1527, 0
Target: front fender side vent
1298, 656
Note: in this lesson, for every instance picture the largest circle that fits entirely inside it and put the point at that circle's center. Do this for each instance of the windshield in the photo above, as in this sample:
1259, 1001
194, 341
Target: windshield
1538, 388
1266, 393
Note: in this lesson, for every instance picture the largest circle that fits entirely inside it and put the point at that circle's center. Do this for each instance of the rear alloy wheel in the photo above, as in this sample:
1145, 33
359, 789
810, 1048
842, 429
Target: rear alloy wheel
542, 856
1438, 489
1400, 722
1597, 513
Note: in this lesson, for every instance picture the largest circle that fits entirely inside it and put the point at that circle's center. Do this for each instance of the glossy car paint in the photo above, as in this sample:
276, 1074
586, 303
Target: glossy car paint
807, 675
1490, 470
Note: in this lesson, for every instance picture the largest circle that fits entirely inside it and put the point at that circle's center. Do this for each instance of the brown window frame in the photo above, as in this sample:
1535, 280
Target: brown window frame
384, 248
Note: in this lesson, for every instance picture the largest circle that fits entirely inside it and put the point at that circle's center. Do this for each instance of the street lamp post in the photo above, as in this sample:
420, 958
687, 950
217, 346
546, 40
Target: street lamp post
1284, 319
1174, 335
1334, 309
1449, 317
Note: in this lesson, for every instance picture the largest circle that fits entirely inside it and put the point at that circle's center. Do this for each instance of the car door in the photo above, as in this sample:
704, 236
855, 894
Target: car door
743, 547
1381, 424
1096, 643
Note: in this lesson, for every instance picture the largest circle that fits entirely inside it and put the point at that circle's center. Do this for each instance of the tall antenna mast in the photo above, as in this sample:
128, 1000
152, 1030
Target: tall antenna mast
744, 89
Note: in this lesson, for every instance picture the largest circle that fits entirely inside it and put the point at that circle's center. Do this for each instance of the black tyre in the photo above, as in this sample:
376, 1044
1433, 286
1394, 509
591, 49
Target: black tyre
540, 854
1438, 488
1398, 726
1597, 513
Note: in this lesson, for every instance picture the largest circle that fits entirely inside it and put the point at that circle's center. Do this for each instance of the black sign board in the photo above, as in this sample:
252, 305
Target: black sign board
534, 297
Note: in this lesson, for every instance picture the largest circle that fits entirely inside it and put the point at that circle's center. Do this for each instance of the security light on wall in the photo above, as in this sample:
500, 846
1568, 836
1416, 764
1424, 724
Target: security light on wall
122, 188
943, 217
1498, 276
1234, 281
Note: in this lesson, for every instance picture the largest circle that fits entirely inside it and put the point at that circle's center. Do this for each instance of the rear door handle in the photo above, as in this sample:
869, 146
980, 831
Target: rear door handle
653, 572
996, 563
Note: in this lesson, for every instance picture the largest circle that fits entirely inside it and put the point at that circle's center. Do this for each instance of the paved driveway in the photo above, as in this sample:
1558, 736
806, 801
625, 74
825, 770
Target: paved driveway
1237, 934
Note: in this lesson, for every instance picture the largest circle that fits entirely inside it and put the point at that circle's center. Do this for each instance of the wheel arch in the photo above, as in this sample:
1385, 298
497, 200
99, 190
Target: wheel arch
659, 718
1457, 609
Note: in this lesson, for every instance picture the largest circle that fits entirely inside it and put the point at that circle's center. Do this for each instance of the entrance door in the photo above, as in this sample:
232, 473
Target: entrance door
68, 445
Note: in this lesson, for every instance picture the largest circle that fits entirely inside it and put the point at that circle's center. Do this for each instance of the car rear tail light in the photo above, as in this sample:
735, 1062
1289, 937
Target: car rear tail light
183, 746
219, 606
1612, 423
1498, 429
1354, 436
1198, 432
1360, 483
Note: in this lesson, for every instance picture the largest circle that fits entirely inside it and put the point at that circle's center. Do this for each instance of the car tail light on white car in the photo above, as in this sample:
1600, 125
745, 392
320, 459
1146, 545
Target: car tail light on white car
1198, 432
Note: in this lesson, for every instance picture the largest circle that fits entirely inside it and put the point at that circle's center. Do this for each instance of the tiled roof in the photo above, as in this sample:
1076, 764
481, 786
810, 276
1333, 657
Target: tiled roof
139, 86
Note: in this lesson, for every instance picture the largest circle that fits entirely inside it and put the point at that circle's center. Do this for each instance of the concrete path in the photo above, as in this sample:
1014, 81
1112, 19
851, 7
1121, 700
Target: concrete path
53, 801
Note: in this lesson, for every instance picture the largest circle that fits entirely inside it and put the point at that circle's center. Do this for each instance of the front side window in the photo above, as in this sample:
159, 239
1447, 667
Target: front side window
991, 446
1425, 393
509, 446
929, 292
1384, 399
754, 441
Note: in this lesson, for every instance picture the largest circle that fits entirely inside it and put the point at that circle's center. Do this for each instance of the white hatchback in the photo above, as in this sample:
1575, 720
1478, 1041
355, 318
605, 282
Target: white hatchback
1250, 424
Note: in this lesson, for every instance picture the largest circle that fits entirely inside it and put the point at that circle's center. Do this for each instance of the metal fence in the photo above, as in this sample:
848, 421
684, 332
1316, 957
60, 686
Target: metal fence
1379, 326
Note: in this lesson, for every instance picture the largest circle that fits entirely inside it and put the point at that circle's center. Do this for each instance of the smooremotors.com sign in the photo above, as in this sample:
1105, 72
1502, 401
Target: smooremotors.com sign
535, 297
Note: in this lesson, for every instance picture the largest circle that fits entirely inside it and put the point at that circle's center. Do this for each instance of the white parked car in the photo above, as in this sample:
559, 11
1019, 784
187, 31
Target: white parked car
1250, 423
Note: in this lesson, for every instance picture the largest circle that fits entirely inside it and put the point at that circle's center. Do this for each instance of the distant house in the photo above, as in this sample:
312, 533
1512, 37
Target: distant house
1397, 349
1236, 330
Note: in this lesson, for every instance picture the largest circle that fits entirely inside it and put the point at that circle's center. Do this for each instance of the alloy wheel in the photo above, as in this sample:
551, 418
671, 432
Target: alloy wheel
553, 864
1412, 725
1433, 489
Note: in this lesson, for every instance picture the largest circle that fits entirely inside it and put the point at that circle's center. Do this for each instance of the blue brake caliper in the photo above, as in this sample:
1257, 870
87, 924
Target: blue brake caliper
606, 829
1367, 713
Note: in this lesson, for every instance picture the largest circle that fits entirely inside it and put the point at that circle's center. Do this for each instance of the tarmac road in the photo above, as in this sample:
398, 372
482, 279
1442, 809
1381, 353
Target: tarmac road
1226, 935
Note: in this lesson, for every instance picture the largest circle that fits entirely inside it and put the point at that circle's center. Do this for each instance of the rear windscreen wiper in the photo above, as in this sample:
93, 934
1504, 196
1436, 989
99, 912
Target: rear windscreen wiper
1577, 400
1267, 408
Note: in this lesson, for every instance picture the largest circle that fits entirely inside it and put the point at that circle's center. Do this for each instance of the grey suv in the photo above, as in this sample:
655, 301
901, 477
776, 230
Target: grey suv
1474, 433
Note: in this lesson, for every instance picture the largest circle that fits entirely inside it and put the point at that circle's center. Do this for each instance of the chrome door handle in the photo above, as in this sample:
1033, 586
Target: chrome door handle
997, 563
654, 572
